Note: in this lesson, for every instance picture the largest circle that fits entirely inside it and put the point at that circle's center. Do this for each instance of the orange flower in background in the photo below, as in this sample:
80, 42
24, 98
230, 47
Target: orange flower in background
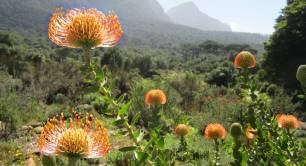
215, 131
155, 96
287, 121
245, 60
181, 130
209, 98
250, 133
84, 28
81, 138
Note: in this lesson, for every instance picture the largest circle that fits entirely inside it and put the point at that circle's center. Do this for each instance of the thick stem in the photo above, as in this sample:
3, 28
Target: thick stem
183, 145
72, 161
86, 56
216, 161
155, 116
236, 151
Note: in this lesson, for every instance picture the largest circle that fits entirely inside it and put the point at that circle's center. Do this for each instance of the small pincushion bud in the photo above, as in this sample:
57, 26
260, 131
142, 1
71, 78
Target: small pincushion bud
181, 130
48, 160
236, 130
301, 75
245, 59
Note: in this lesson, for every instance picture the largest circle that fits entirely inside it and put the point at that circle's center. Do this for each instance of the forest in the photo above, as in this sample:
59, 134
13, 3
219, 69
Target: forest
84, 94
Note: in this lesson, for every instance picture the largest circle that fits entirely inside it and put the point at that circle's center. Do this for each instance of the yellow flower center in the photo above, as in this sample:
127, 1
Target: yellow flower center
73, 142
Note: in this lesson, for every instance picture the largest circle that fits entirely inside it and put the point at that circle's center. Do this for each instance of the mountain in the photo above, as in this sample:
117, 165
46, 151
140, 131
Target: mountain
144, 22
189, 14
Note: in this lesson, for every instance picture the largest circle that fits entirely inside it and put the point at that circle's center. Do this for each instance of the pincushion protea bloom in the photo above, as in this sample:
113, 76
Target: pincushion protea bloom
84, 28
155, 96
245, 59
77, 138
215, 131
287, 121
250, 133
181, 130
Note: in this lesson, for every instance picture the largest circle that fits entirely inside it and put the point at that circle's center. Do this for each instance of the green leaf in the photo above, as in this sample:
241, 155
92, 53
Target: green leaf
301, 96
119, 122
124, 109
135, 118
141, 157
128, 149
138, 136
160, 143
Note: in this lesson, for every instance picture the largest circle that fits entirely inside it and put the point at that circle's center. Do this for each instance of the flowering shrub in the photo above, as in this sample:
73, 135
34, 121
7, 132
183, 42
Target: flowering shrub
261, 137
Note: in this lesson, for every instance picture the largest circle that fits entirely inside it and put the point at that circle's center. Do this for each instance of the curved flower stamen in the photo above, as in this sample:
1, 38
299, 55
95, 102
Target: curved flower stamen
287, 121
77, 138
84, 28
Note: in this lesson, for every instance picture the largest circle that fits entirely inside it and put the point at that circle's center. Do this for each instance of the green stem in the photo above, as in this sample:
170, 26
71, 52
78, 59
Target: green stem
183, 145
86, 56
236, 151
216, 161
72, 161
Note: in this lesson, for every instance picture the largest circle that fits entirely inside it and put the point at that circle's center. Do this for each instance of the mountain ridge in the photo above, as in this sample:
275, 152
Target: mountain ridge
189, 14
144, 22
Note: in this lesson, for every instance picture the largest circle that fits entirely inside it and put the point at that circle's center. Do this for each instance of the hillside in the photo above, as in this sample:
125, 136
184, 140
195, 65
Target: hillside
189, 14
144, 22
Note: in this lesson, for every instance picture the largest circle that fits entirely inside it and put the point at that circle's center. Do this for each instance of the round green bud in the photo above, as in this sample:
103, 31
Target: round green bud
48, 160
301, 75
236, 130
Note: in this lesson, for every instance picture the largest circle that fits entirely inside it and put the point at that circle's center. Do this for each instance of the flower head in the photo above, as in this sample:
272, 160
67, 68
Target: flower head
287, 121
79, 138
245, 60
181, 130
84, 28
301, 75
215, 131
155, 96
250, 133
209, 98
236, 130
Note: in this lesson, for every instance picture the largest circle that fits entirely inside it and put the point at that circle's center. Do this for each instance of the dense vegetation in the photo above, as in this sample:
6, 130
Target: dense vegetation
286, 50
200, 83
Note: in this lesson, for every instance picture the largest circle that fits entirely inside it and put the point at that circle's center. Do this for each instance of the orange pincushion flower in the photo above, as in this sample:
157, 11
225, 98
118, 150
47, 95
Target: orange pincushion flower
287, 121
250, 133
245, 60
84, 28
155, 96
215, 131
82, 139
181, 130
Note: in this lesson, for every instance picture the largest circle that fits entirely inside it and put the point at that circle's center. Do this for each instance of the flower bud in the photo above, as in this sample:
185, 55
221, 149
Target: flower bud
236, 130
301, 75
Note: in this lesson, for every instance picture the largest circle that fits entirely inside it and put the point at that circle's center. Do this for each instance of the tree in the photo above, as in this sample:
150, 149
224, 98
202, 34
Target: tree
286, 49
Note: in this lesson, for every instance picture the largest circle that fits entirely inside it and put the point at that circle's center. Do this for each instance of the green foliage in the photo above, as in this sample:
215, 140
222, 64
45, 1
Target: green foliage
285, 50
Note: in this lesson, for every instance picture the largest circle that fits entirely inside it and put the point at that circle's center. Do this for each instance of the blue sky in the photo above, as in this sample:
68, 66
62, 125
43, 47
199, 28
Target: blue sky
256, 16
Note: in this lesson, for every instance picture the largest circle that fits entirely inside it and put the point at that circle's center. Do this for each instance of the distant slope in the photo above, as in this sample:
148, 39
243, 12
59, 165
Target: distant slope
144, 22
189, 14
